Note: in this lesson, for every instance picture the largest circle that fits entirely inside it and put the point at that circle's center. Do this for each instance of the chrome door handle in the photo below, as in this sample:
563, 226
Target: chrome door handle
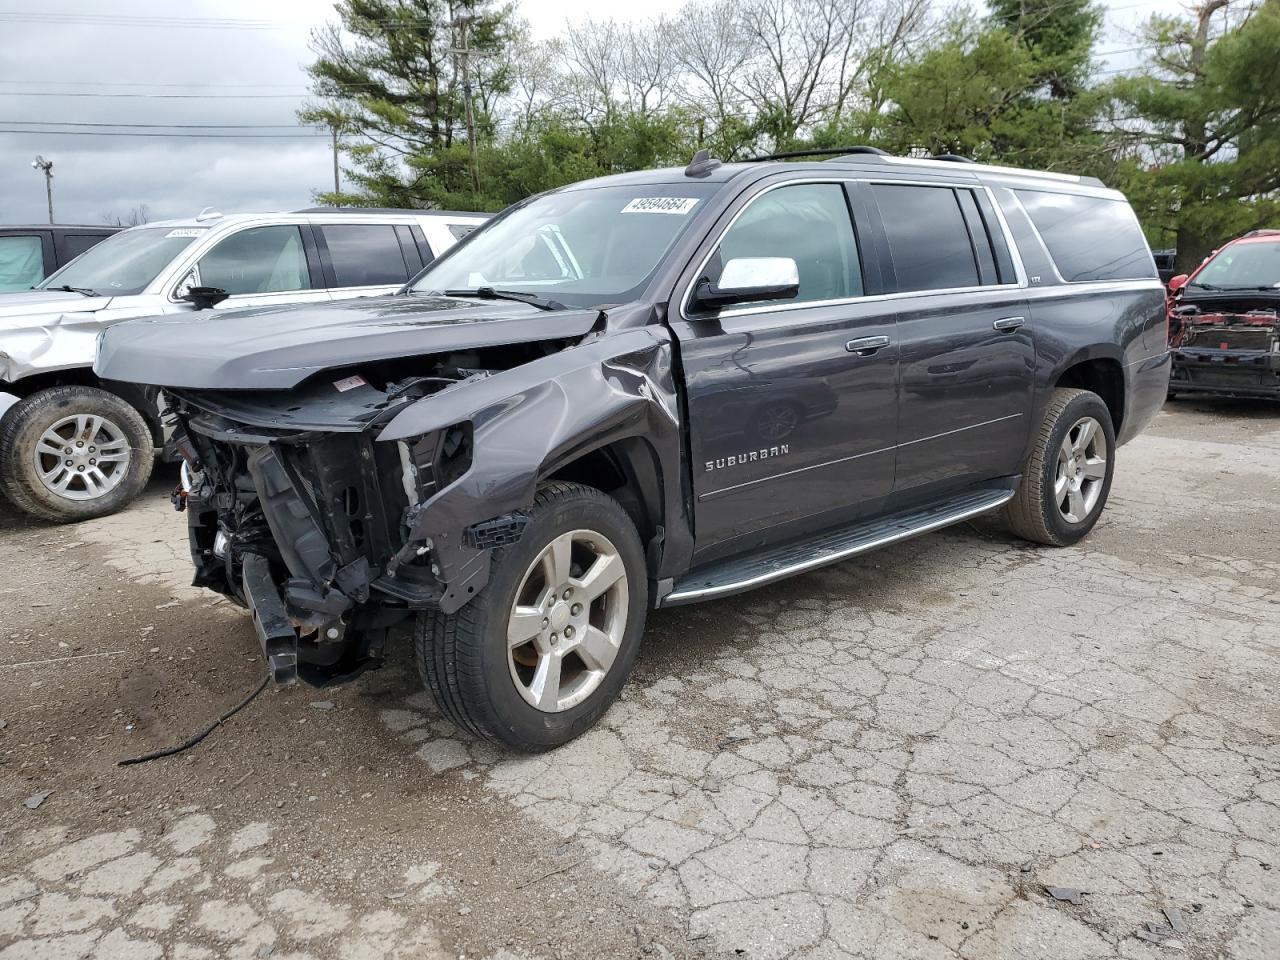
1009, 323
866, 346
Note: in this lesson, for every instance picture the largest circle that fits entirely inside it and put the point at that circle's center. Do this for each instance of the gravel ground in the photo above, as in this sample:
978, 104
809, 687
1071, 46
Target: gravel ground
891, 758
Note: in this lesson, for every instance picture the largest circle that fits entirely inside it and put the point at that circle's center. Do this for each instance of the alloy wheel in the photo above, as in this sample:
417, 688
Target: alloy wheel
82, 457
1081, 470
567, 621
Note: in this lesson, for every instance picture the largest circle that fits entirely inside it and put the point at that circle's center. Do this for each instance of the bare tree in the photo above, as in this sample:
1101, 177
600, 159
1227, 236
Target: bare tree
711, 49
135, 217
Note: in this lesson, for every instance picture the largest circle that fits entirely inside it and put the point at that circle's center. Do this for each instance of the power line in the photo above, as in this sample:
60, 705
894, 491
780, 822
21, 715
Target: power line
160, 96
192, 23
168, 126
190, 136
120, 83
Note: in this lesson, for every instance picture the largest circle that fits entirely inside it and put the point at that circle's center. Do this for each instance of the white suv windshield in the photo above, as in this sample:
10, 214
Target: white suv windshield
126, 263
580, 247
1243, 266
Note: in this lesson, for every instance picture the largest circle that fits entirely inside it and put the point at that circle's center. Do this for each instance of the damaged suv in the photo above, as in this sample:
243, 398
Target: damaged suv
1224, 321
648, 390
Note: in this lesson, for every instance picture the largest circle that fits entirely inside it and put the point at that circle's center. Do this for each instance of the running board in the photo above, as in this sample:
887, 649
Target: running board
744, 573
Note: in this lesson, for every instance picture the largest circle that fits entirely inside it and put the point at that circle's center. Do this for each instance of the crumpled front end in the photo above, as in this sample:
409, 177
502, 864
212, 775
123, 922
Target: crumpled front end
295, 511
1225, 352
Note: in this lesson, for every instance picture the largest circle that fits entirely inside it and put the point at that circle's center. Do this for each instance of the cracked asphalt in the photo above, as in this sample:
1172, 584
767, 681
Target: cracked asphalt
895, 757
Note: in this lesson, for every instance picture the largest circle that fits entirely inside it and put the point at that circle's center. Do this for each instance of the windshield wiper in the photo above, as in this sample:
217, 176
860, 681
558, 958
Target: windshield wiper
488, 293
67, 289
1204, 286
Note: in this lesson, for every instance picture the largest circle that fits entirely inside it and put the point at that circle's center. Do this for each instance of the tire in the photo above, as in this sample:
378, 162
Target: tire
83, 418
1036, 512
488, 690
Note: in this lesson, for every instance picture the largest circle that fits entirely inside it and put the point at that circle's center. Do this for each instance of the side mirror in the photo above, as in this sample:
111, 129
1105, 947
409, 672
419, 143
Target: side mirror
205, 298
748, 279
1178, 282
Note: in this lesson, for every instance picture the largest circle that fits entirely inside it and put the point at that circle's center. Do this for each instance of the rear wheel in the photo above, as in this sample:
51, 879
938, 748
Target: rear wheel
1067, 477
73, 453
540, 654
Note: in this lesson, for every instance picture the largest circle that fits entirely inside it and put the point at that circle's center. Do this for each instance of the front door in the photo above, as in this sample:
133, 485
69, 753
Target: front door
261, 266
966, 351
792, 405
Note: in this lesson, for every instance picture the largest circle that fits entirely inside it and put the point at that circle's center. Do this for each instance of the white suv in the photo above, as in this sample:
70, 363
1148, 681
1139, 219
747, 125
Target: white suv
73, 447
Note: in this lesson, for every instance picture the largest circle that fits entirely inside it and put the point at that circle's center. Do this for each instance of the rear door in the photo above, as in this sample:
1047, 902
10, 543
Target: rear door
367, 259
966, 356
792, 405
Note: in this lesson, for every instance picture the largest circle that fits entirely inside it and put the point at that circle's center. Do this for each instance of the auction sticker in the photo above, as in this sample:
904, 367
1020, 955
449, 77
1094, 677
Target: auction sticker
677, 205
349, 383
186, 232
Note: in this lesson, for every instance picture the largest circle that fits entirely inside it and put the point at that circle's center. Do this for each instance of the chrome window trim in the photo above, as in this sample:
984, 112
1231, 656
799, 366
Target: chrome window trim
951, 166
686, 300
1097, 286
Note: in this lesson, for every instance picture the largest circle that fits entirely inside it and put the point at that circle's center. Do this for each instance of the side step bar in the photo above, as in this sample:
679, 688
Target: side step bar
831, 546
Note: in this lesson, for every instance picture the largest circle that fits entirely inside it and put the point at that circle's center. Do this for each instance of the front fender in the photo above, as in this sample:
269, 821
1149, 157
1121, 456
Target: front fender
529, 421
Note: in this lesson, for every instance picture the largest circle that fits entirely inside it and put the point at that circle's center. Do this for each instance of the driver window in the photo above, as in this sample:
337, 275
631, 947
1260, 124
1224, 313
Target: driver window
808, 222
257, 260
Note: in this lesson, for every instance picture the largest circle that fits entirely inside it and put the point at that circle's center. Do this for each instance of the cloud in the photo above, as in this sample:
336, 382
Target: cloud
94, 175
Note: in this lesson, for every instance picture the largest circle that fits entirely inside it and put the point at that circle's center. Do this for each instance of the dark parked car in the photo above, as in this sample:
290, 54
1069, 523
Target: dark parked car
1223, 321
546, 434
1165, 263
29, 254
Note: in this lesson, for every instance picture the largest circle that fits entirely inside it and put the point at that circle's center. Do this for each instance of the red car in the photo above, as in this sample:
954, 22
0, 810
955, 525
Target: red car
1223, 324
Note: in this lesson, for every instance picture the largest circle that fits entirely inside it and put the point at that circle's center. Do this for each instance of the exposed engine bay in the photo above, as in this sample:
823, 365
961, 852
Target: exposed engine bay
297, 512
1229, 348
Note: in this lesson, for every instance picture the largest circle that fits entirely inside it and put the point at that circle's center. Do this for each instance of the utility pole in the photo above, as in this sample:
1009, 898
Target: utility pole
337, 183
463, 53
46, 166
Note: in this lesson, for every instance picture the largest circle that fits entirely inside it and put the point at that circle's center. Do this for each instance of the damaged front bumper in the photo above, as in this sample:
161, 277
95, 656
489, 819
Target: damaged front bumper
1226, 372
311, 529
1225, 352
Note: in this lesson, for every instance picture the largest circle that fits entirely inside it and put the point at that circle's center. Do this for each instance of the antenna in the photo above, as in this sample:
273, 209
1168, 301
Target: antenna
701, 164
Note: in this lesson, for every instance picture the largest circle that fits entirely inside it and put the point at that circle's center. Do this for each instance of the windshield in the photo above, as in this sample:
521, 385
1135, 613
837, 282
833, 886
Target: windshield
581, 247
1242, 266
125, 263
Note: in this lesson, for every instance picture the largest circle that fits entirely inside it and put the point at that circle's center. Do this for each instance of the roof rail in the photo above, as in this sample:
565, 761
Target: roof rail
997, 169
1263, 232
951, 157
835, 152
402, 210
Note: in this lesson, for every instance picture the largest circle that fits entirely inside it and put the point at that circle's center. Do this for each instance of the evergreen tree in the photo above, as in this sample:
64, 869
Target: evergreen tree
1204, 120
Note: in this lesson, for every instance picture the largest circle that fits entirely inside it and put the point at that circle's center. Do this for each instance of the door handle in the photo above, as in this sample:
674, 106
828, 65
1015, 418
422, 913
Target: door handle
866, 346
1009, 323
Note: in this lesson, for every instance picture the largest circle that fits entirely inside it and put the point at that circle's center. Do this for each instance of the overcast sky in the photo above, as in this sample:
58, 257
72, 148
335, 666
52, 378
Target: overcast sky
62, 60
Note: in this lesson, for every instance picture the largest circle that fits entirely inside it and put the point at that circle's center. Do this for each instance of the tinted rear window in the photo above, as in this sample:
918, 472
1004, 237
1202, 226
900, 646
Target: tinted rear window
928, 239
1090, 238
365, 255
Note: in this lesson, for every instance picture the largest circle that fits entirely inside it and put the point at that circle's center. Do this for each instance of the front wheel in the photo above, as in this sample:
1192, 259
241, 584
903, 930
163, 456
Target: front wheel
74, 453
1067, 477
540, 654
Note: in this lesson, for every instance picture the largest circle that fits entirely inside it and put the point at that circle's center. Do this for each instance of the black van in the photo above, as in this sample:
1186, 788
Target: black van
29, 254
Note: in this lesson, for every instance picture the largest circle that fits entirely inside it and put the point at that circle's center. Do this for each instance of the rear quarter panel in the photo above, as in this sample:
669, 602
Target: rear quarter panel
1122, 321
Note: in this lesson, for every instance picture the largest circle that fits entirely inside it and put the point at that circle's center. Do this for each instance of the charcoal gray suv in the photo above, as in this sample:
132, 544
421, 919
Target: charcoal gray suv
653, 389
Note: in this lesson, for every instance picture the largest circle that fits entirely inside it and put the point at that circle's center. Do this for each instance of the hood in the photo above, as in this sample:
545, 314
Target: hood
33, 307
276, 348
1228, 301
